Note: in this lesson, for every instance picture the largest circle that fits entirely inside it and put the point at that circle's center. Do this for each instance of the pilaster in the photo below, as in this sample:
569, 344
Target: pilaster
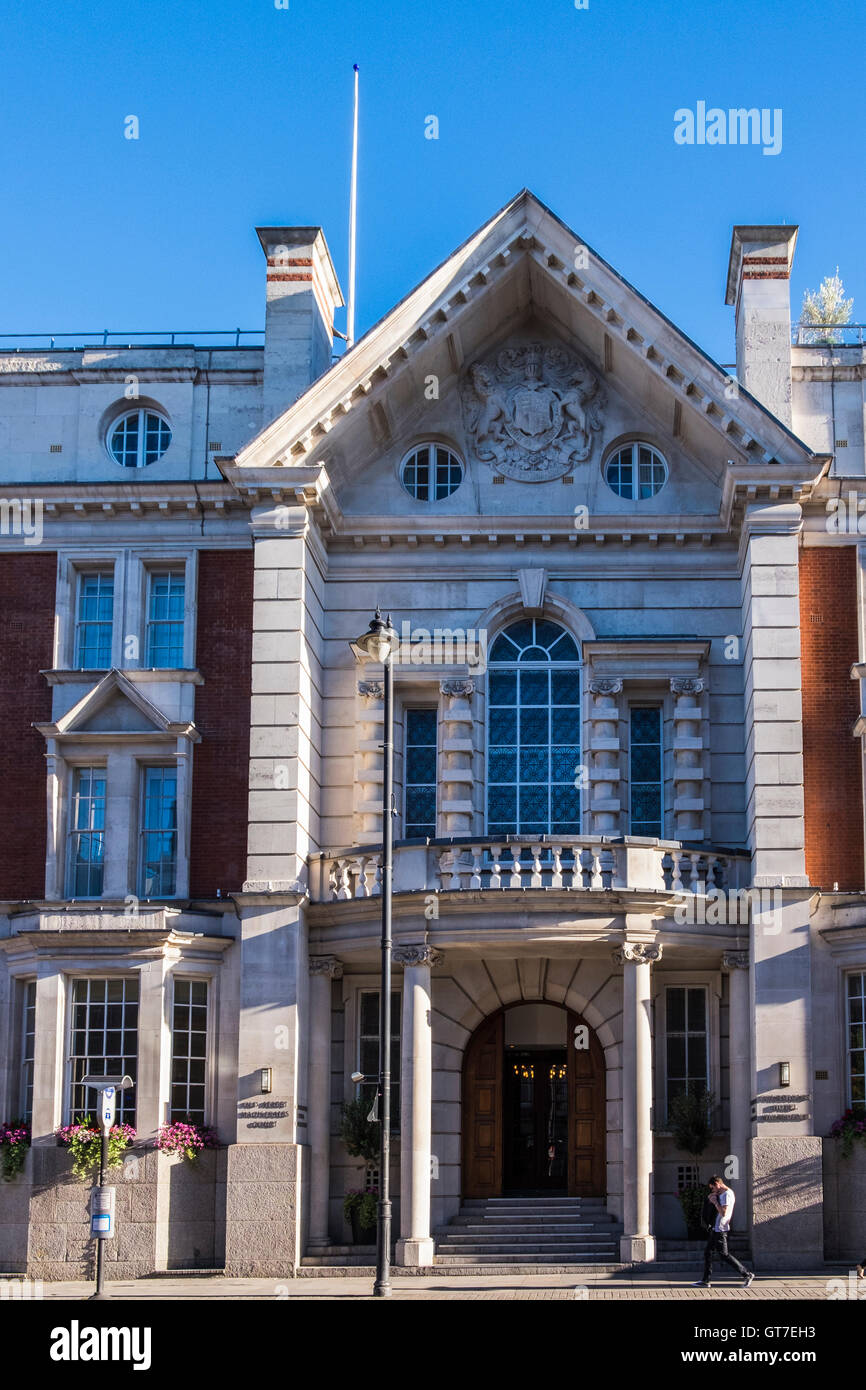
456, 773
604, 754
688, 748
369, 762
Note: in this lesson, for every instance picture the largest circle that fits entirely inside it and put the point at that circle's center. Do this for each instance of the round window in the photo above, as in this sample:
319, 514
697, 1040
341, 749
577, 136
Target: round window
636, 471
431, 472
138, 438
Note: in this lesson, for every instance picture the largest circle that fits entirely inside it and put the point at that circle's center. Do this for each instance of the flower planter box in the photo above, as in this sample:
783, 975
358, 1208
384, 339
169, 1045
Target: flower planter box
361, 1235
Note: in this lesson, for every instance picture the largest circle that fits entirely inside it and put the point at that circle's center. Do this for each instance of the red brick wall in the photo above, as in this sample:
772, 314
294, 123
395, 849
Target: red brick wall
27, 599
220, 778
831, 703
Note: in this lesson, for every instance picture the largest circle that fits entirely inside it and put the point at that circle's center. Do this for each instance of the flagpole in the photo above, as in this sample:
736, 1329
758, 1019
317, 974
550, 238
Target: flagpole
353, 217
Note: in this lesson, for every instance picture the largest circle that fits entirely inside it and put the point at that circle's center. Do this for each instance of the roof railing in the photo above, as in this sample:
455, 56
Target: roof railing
827, 334
106, 337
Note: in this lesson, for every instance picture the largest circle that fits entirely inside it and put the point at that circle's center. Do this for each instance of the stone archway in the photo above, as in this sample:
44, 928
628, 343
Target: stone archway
484, 1139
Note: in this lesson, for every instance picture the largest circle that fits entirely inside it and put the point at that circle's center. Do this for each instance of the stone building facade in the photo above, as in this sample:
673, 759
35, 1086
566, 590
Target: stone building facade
628, 816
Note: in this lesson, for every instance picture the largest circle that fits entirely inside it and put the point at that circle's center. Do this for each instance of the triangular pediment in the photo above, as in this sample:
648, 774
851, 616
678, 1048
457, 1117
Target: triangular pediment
116, 707
525, 273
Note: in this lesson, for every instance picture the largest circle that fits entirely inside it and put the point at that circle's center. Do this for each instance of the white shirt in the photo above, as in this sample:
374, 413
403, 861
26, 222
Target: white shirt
726, 1200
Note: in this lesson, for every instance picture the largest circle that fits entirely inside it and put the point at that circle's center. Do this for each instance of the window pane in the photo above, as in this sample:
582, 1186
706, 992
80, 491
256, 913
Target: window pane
503, 688
697, 1010
676, 1010
676, 1056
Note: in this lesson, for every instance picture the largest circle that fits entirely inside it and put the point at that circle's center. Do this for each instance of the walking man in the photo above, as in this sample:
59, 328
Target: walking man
722, 1198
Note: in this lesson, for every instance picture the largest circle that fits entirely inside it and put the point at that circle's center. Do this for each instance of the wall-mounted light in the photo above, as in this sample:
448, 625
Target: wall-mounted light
266, 1081
784, 1073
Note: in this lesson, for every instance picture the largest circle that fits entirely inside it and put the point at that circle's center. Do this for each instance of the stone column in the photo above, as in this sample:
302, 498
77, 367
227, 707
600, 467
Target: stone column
688, 775
739, 1062
457, 748
415, 1246
637, 1143
604, 803
323, 969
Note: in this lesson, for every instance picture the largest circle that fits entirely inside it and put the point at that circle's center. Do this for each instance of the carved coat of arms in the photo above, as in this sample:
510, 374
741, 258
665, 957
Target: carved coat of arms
532, 410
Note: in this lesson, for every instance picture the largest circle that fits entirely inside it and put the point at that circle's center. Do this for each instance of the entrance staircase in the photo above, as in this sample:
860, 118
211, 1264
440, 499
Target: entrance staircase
525, 1231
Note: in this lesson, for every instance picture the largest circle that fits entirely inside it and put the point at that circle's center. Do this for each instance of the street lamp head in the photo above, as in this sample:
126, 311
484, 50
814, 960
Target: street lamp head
357, 1077
378, 642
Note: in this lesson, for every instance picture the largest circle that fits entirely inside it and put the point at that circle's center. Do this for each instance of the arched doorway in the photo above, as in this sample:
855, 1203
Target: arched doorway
533, 1105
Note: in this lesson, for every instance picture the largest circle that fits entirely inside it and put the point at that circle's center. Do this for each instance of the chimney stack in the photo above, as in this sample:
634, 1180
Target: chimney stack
302, 295
758, 273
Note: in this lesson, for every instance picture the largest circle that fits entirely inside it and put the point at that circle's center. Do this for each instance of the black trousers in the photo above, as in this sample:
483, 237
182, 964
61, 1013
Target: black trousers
717, 1244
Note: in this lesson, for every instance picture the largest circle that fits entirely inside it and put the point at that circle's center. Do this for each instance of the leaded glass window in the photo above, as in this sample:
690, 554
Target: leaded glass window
533, 743
686, 1041
419, 813
857, 1037
645, 770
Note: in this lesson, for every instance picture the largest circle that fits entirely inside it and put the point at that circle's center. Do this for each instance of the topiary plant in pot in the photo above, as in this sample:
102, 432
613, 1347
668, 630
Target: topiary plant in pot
689, 1120
361, 1138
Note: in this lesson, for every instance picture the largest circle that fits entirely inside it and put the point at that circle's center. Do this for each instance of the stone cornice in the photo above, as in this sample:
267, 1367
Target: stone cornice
107, 500
57, 940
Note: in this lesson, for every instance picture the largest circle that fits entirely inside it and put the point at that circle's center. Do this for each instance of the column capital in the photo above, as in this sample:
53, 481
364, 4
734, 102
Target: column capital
605, 685
637, 953
457, 687
420, 954
326, 965
374, 689
735, 960
686, 685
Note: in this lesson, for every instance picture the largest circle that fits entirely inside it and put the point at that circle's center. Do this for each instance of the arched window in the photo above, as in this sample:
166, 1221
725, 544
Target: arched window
533, 743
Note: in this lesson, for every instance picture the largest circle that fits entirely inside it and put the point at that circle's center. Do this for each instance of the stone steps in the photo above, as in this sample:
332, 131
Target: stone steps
531, 1232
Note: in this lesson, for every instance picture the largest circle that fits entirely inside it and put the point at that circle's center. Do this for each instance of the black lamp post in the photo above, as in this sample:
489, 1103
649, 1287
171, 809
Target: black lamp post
377, 644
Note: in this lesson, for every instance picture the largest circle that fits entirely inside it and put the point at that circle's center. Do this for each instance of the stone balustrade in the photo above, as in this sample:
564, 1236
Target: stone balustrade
580, 863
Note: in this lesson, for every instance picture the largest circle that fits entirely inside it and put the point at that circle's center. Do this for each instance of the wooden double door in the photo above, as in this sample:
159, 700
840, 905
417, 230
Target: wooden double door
534, 1120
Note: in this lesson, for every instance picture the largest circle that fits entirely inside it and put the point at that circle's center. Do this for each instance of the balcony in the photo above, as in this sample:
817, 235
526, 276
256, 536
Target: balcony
580, 864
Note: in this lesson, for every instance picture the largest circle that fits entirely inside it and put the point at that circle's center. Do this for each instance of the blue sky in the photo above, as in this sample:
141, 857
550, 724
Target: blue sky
245, 114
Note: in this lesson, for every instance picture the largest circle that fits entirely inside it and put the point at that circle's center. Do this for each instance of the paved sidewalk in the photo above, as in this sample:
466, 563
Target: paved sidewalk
586, 1287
